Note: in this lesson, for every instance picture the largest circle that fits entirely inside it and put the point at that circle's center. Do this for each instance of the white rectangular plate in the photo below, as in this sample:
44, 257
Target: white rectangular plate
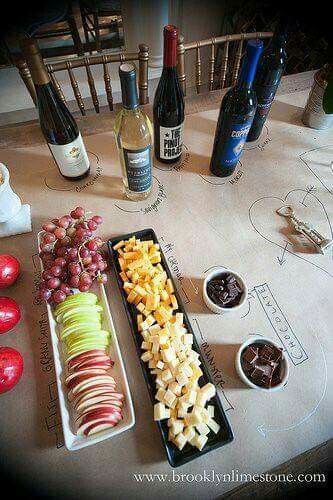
72, 441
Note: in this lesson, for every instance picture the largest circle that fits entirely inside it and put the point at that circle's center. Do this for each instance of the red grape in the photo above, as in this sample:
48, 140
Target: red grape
92, 225
56, 270
84, 288
53, 283
55, 222
102, 265
74, 281
60, 261
87, 260
85, 279
71, 231
46, 247
62, 252
49, 227
77, 213
74, 268
65, 288
92, 268
99, 241
60, 233
65, 221
72, 253
84, 252
97, 257
47, 275
92, 245
49, 238
58, 296
98, 219
45, 293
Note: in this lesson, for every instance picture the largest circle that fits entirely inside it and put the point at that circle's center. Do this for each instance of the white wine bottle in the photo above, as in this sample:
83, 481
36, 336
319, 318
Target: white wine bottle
58, 125
133, 133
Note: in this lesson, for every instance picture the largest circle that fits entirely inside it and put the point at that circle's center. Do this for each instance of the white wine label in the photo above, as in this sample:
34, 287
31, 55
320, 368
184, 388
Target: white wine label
138, 169
72, 158
171, 142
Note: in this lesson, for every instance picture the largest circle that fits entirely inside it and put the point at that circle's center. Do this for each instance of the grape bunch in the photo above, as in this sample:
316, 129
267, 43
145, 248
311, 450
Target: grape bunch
71, 255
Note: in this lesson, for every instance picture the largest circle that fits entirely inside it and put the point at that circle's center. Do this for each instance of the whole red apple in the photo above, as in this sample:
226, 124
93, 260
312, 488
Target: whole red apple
9, 270
11, 368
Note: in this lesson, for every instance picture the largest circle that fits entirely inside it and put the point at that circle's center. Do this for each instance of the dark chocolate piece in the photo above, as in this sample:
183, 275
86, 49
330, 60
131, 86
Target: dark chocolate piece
262, 364
224, 290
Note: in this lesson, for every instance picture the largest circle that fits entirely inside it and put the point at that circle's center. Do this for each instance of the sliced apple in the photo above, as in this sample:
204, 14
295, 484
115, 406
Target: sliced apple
95, 428
97, 400
110, 420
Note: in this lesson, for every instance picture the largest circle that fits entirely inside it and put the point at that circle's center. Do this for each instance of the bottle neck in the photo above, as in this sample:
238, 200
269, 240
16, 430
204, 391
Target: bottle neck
249, 67
129, 93
170, 47
35, 63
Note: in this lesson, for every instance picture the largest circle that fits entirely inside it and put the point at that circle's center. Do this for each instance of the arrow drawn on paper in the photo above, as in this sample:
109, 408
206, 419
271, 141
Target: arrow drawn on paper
195, 288
281, 259
263, 429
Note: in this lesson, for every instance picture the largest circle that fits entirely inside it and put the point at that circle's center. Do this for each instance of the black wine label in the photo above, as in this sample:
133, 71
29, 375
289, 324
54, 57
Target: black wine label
138, 169
171, 142
265, 96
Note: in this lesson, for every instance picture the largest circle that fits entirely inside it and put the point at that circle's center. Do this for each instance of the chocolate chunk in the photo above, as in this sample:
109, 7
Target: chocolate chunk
262, 364
224, 290
250, 354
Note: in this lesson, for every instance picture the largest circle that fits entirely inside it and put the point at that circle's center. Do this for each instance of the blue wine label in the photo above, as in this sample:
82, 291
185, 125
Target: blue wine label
232, 148
138, 169
171, 142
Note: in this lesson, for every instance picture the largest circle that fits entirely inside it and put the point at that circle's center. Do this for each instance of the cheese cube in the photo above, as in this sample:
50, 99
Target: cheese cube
180, 318
208, 390
150, 320
160, 412
189, 433
205, 415
190, 397
180, 441
164, 340
160, 383
156, 347
146, 356
146, 345
202, 428
177, 427
164, 295
160, 394
210, 409
160, 365
154, 329
193, 439
140, 307
181, 378
131, 297
168, 355
181, 355
175, 388
170, 421
174, 302
201, 399
167, 375
169, 286
213, 425
169, 398
153, 302
182, 410
152, 363
188, 339
173, 365
194, 417
201, 441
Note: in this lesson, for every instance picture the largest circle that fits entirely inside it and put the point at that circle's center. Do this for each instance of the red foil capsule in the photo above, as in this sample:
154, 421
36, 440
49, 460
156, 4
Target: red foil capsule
170, 45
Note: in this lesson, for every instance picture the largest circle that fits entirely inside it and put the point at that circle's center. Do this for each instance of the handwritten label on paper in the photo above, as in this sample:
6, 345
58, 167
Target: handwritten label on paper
236, 177
280, 324
52, 418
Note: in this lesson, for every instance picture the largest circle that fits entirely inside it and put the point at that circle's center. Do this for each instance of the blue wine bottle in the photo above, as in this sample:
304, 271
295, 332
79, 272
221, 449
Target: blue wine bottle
237, 111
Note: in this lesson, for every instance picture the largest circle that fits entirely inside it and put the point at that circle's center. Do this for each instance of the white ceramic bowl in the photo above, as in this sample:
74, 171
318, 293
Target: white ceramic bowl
246, 380
214, 307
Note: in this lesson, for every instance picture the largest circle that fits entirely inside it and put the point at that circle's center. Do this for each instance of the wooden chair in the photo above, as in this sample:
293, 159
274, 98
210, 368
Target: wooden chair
227, 63
92, 14
142, 56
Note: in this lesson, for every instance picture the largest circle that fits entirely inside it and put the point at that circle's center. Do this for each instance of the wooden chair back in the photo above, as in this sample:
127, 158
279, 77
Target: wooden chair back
229, 64
87, 61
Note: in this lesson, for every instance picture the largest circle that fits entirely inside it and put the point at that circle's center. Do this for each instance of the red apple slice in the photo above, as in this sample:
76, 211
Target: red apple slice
92, 381
92, 352
81, 405
105, 420
95, 428
109, 403
90, 359
106, 386
82, 375
94, 363
98, 413
99, 391
86, 379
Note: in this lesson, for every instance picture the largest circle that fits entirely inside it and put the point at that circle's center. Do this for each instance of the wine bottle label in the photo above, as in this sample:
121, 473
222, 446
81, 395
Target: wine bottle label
231, 149
72, 158
138, 169
265, 96
171, 142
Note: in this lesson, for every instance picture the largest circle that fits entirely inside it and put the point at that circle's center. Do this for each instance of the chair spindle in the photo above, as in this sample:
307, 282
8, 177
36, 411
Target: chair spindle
224, 64
91, 84
236, 65
181, 63
212, 65
26, 77
107, 83
75, 87
198, 68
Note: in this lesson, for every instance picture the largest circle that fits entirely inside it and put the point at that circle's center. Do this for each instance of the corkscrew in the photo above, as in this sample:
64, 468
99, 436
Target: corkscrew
321, 243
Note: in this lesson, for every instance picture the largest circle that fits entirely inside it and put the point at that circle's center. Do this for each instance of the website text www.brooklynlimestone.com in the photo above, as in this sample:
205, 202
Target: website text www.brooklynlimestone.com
234, 476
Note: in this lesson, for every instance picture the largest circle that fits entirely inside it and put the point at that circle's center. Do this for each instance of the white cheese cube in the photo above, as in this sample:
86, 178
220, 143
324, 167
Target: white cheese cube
210, 409
146, 335
160, 394
167, 375
181, 378
160, 412
190, 397
189, 433
160, 365
202, 428
208, 390
168, 354
201, 399
154, 329
152, 363
180, 441
181, 355
180, 318
170, 421
213, 425
188, 339
160, 383
173, 365
193, 439
205, 415
175, 388
201, 441
146, 356
193, 418
156, 347
177, 427
146, 345
169, 398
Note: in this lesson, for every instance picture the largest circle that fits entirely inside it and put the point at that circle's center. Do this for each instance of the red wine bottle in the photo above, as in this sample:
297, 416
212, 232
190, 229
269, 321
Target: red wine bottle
237, 111
169, 104
268, 76
58, 125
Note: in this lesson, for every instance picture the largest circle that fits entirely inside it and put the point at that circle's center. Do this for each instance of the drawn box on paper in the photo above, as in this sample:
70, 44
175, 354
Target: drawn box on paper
280, 324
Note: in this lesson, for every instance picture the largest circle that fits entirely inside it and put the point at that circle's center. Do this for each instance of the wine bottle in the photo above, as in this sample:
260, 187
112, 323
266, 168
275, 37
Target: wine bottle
58, 125
133, 133
268, 76
169, 104
236, 115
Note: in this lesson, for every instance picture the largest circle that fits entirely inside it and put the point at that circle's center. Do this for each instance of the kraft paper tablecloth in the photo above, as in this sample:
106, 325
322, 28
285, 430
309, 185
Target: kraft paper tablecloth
202, 222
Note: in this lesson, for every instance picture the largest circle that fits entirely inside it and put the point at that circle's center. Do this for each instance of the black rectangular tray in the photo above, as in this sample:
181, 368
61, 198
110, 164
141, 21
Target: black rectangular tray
225, 435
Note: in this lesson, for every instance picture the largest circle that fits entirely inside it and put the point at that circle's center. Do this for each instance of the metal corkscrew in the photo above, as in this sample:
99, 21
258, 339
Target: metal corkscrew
321, 243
